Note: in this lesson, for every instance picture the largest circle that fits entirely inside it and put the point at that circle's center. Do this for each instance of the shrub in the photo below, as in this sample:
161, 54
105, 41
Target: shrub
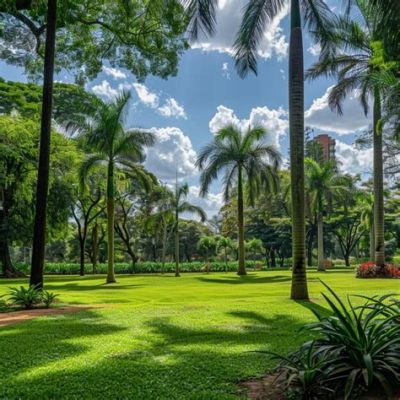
25, 297
358, 348
370, 270
48, 298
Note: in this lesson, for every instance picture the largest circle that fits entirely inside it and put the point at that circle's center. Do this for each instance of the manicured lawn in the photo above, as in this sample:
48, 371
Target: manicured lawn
160, 337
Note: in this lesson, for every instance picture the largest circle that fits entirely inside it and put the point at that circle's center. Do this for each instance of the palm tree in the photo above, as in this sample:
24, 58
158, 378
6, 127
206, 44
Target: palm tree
255, 247
355, 59
317, 16
240, 156
366, 206
208, 244
178, 206
116, 148
324, 185
226, 244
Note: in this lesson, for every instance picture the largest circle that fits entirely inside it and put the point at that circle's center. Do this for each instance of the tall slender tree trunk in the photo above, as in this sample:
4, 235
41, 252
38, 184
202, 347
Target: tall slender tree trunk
371, 243
242, 266
164, 247
226, 260
95, 247
177, 273
379, 217
42, 188
82, 243
320, 229
299, 290
110, 223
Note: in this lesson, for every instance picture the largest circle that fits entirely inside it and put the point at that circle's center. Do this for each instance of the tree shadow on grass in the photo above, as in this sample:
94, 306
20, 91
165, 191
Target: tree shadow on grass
174, 362
38, 342
312, 306
241, 280
77, 287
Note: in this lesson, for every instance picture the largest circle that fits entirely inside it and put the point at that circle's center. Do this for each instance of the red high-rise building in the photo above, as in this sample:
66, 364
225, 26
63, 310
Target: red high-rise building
328, 146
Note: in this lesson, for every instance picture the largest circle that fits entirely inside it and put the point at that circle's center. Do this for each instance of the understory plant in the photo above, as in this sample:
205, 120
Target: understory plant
25, 297
358, 348
48, 298
31, 296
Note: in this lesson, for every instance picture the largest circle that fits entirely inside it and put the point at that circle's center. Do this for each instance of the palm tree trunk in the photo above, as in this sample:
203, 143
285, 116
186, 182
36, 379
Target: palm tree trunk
242, 267
177, 273
164, 247
95, 247
42, 188
371, 243
110, 223
320, 228
299, 290
378, 184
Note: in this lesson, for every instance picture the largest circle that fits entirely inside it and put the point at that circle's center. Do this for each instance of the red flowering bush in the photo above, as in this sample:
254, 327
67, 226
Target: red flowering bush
370, 270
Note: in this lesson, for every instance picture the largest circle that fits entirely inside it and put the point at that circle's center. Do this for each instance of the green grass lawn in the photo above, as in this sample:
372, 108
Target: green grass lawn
160, 337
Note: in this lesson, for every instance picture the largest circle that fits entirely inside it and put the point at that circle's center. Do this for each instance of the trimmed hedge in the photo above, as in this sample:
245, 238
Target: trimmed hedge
143, 267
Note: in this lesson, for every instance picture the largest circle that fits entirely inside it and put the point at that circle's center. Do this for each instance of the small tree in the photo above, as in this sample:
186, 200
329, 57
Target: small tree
208, 245
255, 247
227, 245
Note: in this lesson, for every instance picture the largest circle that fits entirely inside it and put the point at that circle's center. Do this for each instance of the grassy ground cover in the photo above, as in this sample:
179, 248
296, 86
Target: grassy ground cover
160, 337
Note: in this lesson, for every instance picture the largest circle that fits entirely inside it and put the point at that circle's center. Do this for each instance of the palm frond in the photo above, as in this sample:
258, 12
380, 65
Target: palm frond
256, 16
201, 14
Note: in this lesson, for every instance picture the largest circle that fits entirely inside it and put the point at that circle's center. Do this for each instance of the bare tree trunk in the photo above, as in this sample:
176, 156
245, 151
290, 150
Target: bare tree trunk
39, 232
372, 243
177, 273
320, 228
95, 247
242, 266
82, 243
110, 223
379, 217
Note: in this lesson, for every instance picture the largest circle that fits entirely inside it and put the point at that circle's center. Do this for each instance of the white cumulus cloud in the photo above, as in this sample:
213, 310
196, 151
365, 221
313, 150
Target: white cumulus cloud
320, 116
173, 152
229, 15
172, 108
353, 160
114, 72
211, 204
314, 49
146, 96
225, 71
105, 90
274, 121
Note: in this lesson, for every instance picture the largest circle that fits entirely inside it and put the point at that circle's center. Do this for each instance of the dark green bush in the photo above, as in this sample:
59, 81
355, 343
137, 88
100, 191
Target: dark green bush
143, 267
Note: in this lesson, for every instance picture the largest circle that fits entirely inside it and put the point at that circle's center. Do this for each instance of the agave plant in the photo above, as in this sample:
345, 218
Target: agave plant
25, 297
364, 341
358, 347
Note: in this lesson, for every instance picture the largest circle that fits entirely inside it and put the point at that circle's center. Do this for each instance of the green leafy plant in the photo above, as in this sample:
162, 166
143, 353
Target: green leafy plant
48, 298
23, 297
3, 304
358, 348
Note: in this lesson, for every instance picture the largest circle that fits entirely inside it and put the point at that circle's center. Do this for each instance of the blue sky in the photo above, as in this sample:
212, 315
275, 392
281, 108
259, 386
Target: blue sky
185, 111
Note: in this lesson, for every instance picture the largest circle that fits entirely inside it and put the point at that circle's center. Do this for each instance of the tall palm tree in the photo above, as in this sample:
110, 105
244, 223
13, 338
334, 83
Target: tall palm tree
116, 148
324, 185
239, 155
355, 59
316, 16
